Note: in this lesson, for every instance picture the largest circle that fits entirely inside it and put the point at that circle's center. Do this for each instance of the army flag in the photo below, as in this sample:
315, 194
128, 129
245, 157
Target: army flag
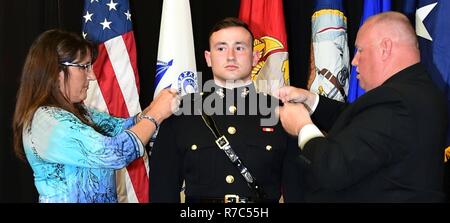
108, 24
371, 7
329, 54
266, 20
176, 67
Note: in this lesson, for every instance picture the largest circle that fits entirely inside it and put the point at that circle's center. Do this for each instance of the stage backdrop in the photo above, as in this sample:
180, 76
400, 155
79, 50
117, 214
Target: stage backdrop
21, 21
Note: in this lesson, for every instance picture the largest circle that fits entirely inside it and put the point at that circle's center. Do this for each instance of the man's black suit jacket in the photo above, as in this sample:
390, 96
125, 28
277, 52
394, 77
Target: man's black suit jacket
385, 147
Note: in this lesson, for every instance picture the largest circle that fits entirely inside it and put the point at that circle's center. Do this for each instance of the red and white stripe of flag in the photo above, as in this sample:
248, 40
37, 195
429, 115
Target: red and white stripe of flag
117, 91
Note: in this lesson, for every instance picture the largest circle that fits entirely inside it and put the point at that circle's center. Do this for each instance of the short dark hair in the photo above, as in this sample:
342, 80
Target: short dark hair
230, 22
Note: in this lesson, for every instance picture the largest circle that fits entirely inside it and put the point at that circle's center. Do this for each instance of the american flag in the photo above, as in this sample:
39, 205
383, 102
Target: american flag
108, 24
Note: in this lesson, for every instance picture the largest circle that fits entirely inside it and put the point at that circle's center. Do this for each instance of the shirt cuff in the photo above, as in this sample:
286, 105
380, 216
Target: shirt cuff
316, 102
308, 132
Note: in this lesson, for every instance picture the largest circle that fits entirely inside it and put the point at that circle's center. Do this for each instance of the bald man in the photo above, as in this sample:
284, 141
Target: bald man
387, 146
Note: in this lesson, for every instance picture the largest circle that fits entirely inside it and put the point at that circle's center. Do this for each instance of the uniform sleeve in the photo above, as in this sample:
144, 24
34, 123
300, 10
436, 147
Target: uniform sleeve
110, 125
368, 141
292, 176
59, 137
166, 163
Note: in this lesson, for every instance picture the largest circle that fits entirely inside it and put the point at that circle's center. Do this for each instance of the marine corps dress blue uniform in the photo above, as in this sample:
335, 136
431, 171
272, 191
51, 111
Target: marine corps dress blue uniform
185, 150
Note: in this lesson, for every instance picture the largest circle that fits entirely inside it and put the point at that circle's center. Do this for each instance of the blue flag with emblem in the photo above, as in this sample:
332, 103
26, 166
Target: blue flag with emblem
432, 21
432, 27
371, 7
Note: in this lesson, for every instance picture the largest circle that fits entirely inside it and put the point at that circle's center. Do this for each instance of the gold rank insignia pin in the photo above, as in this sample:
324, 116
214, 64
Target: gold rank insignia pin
220, 92
245, 92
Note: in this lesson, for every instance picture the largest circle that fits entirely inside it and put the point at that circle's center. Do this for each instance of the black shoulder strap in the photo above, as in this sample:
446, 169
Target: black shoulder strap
223, 144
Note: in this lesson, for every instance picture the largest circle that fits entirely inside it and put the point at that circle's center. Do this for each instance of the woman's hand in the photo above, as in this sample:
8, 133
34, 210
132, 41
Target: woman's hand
164, 105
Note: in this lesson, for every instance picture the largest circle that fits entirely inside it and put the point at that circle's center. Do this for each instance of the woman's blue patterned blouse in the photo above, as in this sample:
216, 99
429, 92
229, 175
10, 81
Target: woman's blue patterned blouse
71, 161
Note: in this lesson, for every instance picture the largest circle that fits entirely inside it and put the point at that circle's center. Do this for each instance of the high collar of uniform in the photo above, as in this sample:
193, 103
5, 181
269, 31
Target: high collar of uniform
241, 91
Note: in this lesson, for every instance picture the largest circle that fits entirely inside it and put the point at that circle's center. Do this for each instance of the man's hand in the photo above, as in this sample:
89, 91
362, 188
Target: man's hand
293, 117
296, 95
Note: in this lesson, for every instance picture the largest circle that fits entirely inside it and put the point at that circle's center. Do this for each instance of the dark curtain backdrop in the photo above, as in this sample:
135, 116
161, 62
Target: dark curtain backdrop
21, 21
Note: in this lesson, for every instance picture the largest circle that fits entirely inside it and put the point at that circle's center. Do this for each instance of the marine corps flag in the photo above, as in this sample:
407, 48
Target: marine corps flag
329, 54
266, 20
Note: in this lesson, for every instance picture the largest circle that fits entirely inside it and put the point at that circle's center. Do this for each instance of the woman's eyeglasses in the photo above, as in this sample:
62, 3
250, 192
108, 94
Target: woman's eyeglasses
87, 67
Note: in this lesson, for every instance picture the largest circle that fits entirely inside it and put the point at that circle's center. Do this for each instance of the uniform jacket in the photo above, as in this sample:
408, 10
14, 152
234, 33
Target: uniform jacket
385, 147
185, 150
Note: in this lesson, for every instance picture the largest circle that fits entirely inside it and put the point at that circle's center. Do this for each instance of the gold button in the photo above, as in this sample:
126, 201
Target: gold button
229, 179
201, 93
232, 109
231, 130
193, 147
268, 147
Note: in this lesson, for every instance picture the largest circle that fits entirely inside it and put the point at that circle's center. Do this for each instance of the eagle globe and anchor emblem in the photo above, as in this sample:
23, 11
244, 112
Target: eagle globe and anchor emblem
273, 64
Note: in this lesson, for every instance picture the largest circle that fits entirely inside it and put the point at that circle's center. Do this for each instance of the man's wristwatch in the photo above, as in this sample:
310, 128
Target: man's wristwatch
150, 118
